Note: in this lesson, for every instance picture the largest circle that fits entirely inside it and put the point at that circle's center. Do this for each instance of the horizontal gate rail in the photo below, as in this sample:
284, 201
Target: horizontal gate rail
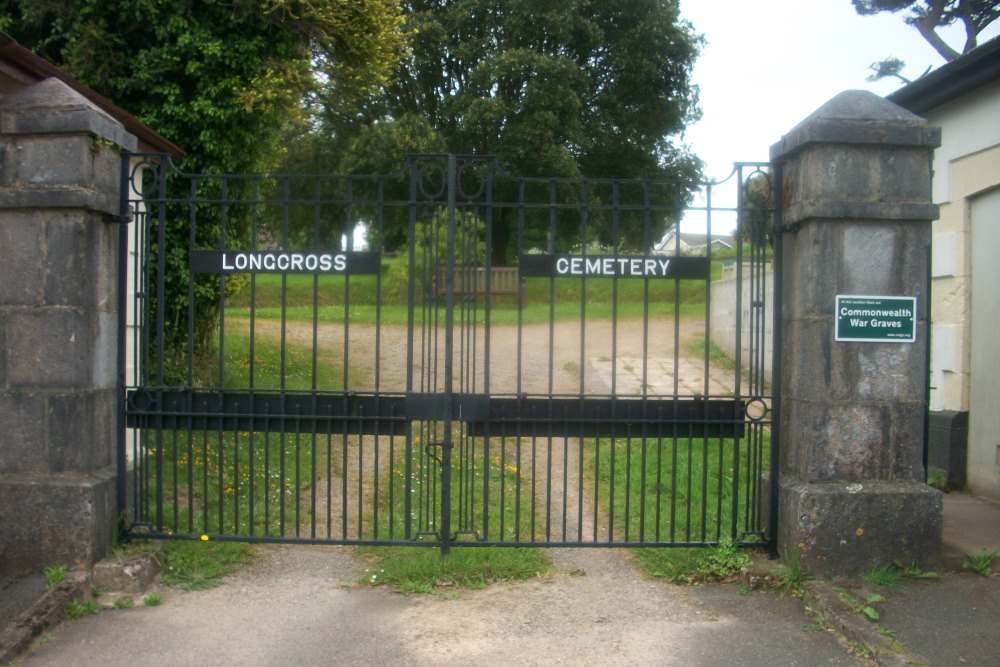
357, 413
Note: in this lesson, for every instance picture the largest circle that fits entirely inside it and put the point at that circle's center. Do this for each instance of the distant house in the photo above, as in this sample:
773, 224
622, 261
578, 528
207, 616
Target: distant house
691, 244
963, 99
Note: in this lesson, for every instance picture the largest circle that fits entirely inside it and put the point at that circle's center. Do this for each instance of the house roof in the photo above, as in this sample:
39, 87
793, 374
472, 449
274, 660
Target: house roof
965, 74
695, 240
26, 68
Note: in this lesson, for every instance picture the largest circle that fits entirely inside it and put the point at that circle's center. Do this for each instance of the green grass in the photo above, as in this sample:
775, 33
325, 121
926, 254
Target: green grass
676, 490
494, 470
423, 570
692, 564
241, 482
323, 298
296, 371
200, 565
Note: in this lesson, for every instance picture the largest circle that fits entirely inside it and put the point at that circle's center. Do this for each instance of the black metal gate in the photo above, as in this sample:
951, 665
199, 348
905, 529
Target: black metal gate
537, 362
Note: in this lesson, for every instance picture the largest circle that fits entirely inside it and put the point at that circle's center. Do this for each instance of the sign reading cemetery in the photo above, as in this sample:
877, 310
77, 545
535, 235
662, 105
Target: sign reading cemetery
876, 319
597, 266
283, 261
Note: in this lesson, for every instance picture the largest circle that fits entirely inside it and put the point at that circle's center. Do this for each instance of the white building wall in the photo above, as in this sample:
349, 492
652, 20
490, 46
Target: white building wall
966, 168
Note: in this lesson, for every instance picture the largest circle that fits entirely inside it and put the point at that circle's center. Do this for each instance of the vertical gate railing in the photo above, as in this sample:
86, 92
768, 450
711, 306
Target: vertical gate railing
538, 364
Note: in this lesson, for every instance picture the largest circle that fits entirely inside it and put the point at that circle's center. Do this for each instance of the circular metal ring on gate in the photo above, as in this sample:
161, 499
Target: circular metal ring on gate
433, 180
470, 181
756, 409
759, 176
140, 400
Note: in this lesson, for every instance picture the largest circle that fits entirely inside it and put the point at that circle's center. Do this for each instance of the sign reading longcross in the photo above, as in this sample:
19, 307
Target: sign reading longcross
876, 319
281, 261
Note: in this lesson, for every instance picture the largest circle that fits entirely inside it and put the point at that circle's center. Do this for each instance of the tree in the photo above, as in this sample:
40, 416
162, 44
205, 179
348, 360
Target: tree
597, 88
222, 78
928, 16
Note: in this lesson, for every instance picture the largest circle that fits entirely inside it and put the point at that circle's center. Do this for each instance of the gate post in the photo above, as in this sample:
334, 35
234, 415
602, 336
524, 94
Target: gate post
59, 180
857, 218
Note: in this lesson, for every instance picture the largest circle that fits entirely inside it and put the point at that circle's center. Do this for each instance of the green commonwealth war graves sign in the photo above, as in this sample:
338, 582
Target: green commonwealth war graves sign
876, 319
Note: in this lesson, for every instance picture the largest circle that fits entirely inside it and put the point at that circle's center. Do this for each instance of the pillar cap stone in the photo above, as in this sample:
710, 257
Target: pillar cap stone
50, 106
858, 117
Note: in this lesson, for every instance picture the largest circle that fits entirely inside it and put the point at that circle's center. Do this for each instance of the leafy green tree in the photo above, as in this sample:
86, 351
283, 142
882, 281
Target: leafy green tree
928, 17
597, 88
222, 78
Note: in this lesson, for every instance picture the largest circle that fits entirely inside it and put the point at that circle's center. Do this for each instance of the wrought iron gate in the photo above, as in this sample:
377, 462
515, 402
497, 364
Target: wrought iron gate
537, 363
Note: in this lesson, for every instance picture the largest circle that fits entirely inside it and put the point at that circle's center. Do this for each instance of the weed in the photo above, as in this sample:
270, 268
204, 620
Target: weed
124, 603
152, 599
792, 577
678, 566
818, 624
863, 607
911, 571
859, 649
938, 480
723, 562
54, 575
885, 576
979, 563
688, 565
76, 609
716, 355
891, 576
422, 570
200, 565
95, 592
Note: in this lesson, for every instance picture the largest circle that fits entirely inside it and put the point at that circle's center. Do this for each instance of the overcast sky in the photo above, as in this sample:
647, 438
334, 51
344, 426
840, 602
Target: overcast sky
767, 64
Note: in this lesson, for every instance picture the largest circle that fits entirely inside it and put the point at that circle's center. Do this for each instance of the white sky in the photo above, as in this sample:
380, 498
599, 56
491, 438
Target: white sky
767, 64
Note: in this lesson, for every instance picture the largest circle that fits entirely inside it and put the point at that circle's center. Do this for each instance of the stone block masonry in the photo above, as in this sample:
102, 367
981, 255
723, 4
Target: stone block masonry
59, 179
857, 214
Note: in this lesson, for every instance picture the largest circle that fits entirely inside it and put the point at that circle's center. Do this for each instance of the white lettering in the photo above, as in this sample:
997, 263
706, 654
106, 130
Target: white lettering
562, 265
241, 261
225, 266
312, 261
664, 263
340, 262
593, 265
283, 262
296, 262
269, 262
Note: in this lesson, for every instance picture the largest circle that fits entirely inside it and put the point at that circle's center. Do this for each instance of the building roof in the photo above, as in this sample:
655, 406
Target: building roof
24, 67
969, 72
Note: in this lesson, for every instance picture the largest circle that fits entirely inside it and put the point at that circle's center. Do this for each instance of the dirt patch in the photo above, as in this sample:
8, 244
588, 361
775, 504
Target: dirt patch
535, 359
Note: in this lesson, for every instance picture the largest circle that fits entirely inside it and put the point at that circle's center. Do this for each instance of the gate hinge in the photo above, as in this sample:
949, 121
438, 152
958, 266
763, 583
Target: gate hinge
119, 219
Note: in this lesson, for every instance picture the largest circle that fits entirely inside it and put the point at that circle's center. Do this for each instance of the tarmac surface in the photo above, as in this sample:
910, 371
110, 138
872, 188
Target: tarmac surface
298, 605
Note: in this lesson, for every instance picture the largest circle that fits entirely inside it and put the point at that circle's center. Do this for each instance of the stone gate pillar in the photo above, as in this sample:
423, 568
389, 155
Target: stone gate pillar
59, 175
857, 207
